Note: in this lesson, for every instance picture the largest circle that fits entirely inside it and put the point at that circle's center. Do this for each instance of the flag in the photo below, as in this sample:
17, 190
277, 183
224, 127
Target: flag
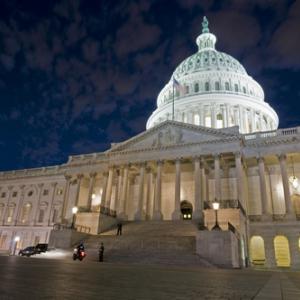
177, 85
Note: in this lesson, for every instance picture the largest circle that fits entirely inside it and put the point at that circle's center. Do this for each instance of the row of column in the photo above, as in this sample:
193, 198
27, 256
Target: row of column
249, 120
199, 173
285, 182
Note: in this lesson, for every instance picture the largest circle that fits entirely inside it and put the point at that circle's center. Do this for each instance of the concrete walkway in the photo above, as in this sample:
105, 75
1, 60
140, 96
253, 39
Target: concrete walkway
29, 278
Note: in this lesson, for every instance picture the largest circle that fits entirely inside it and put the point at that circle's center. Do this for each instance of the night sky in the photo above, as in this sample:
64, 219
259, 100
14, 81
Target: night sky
78, 75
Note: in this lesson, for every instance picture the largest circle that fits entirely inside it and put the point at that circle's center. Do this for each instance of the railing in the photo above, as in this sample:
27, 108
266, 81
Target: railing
274, 133
79, 228
231, 203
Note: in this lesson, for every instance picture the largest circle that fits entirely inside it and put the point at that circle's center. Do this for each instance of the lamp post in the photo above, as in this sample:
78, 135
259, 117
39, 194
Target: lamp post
16, 240
216, 206
74, 212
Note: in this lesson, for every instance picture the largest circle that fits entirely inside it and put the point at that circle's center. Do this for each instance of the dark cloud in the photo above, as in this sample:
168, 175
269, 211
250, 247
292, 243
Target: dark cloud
76, 75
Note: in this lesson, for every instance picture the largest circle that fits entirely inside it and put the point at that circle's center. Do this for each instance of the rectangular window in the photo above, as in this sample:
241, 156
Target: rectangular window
15, 194
10, 214
2, 241
45, 192
41, 216
3, 195
59, 191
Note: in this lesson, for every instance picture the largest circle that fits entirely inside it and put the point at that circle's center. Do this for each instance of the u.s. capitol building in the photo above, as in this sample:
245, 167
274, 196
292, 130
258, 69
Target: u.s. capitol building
212, 138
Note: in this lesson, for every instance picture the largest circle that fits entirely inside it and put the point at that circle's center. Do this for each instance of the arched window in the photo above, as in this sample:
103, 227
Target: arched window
257, 250
196, 87
41, 215
196, 119
244, 90
206, 86
217, 86
219, 120
236, 87
282, 251
227, 86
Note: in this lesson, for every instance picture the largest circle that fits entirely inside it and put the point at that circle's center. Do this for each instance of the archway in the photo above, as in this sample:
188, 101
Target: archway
282, 251
257, 250
186, 209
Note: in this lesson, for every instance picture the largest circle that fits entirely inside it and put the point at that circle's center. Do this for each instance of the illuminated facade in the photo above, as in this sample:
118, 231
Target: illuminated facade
223, 145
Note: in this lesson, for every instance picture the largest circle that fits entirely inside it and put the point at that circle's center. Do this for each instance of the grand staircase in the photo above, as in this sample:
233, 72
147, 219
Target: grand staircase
149, 242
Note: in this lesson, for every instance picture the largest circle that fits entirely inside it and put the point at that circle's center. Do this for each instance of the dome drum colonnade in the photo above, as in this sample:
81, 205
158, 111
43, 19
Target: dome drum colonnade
215, 91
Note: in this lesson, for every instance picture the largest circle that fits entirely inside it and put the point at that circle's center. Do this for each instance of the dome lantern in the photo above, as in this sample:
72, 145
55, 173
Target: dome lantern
206, 40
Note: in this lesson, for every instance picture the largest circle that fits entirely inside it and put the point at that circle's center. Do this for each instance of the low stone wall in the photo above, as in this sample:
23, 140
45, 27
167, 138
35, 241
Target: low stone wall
219, 247
65, 238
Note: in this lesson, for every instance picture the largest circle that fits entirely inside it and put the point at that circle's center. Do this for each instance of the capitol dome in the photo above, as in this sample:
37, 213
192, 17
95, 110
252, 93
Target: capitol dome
212, 89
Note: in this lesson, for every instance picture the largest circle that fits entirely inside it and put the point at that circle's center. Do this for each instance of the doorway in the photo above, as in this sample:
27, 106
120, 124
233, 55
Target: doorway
186, 209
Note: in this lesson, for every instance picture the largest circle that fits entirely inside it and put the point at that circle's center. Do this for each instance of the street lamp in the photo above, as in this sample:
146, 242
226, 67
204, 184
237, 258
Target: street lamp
216, 206
74, 212
16, 240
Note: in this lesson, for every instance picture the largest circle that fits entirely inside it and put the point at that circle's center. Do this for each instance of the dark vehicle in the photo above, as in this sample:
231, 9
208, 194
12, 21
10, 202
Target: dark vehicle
78, 254
28, 251
39, 248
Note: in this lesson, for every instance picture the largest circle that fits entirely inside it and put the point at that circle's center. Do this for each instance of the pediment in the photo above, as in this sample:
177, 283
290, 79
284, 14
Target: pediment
172, 133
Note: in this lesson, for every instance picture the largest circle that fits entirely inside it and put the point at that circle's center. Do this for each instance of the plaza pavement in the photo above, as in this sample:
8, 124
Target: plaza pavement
30, 278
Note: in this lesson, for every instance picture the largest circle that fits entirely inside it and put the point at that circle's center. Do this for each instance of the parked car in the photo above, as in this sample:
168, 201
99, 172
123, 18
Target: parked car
28, 251
39, 248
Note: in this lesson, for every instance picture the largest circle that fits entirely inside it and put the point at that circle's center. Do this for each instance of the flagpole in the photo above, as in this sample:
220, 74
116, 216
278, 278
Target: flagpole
173, 101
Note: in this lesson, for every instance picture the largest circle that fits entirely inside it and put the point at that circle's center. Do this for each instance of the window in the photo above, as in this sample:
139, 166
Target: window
257, 250
244, 90
227, 86
236, 88
217, 86
59, 191
196, 119
55, 215
3, 195
187, 89
207, 121
45, 192
1, 210
41, 215
30, 193
15, 194
26, 213
282, 251
219, 121
206, 86
196, 88
10, 213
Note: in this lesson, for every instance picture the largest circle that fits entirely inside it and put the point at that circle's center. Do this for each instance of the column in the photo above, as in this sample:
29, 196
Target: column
176, 213
198, 212
253, 125
20, 206
91, 190
37, 208
286, 186
217, 177
148, 195
109, 189
117, 192
241, 115
79, 178
66, 198
269, 251
139, 212
53, 185
239, 178
204, 185
227, 114
200, 112
263, 186
123, 198
157, 215
104, 187
4, 218
213, 116
236, 117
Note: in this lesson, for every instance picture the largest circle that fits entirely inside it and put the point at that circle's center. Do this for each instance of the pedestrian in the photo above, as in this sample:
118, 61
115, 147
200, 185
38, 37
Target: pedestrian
101, 252
119, 226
